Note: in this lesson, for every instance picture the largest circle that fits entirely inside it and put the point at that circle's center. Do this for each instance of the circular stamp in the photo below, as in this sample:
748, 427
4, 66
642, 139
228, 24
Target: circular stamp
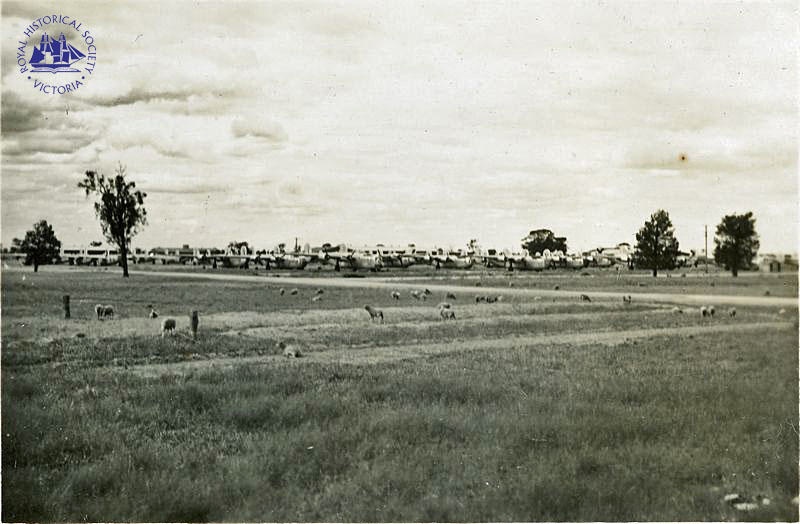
56, 54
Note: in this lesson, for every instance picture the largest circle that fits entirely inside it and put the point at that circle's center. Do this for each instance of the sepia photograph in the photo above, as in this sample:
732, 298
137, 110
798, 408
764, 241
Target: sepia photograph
413, 261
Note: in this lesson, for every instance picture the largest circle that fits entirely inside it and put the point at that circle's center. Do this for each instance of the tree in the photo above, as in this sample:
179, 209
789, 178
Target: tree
656, 245
120, 209
540, 239
736, 242
40, 245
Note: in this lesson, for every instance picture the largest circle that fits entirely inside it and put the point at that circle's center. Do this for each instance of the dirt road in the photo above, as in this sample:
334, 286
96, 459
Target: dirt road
384, 354
671, 298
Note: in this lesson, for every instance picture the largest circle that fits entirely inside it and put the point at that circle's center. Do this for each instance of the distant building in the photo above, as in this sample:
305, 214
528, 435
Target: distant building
774, 263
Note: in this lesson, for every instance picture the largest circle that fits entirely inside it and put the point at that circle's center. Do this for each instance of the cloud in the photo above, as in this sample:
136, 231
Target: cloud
257, 127
19, 115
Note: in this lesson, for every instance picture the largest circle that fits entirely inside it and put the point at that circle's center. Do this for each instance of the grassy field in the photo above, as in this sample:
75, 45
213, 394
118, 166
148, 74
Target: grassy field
555, 410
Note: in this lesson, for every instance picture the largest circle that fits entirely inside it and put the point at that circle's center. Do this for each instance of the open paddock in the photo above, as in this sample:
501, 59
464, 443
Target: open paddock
526, 409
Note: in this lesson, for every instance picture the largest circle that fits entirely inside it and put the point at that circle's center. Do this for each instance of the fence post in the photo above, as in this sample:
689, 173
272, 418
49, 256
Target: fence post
66, 306
195, 321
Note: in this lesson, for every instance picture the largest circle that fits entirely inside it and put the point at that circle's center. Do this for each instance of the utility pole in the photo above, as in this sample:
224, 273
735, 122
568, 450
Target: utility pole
706, 237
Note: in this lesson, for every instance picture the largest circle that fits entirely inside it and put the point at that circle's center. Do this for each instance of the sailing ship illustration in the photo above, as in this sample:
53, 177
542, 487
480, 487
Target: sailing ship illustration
55, 56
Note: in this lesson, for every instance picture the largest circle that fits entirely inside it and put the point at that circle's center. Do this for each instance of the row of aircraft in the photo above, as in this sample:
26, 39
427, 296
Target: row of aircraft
344, 257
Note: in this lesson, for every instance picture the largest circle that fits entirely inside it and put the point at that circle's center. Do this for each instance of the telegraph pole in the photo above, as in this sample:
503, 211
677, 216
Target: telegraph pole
706, 237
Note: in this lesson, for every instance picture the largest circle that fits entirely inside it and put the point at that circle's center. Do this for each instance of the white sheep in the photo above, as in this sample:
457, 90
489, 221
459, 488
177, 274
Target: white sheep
395, 295
319, 291
444, 305
677, 310
98, 310
289, 351
282, 291
153, 313
711, 310
732, 312
703, 311
168, 325
415, 294
374, 313
316, 298
447, 313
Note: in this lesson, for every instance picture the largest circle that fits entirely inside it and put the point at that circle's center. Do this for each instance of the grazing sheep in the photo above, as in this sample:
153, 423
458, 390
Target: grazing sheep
556, 287
289, 351
450, 296
168, 325
415, 294
153, 313
480, 298
395, 295
316, 298
294, 291
447, 313
703, 311
585, 298
711, 310
444, 305
627, 299
108, 311
677, 310
732, 312
374, 313
98, 310
282, 291
427, 291
782, 312
319, 291
491, 300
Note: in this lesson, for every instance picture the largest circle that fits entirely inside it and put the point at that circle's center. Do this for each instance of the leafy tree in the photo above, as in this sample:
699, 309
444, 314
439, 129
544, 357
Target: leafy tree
120, 209
736, 242
540, 239
656, 245
40, 245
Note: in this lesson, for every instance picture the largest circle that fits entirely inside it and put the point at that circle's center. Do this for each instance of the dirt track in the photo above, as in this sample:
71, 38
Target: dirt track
671, 298
404, 352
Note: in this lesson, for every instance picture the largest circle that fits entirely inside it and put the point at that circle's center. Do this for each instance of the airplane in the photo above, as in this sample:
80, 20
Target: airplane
354, 259
402, 257
525, 262
451, 259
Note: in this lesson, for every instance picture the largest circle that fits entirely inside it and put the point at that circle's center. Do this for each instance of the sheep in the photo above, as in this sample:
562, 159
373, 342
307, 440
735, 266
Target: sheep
491, 300
108, 311
289, 351
444, 305
677, 310
316, 298
585, 298
427, 291
450, 296
167, 325
282, 291
153, 313
319, 291
556, 287
374, 313
395, 295
294, 291
627, 299
447, 313
703, 311
98, 310
480, 298
415, 294
711, 310
782, 312
732, 312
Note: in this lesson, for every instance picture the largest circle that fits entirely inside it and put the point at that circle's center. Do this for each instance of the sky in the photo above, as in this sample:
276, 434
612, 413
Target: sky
410, 122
